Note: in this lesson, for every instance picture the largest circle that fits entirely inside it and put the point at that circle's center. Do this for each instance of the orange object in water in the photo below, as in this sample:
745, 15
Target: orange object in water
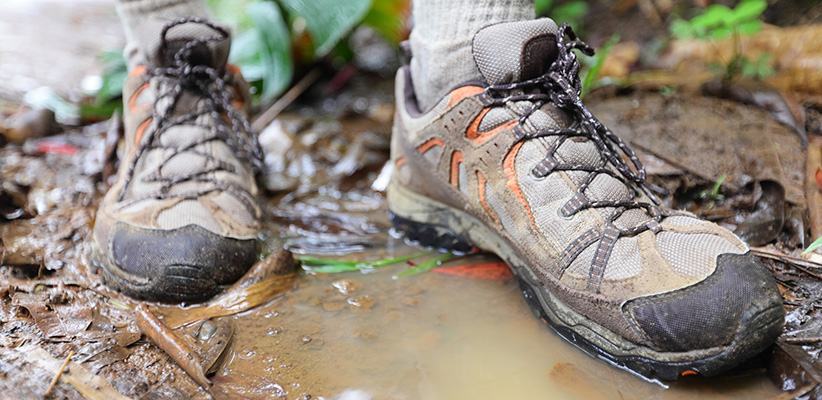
494, 271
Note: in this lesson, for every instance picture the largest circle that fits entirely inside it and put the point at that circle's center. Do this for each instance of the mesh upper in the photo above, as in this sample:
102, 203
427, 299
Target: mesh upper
496, 59
693, 254
497, 51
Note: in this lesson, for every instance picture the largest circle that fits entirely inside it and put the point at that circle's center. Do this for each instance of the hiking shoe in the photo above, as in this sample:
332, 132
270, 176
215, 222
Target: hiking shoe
517, 165
183, 216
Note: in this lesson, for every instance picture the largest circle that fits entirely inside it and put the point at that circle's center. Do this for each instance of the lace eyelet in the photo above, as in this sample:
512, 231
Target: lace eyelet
563, 216
535, 175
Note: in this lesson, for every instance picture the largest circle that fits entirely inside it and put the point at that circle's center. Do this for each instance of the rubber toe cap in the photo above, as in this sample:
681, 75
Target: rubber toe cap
739, 304
184, 264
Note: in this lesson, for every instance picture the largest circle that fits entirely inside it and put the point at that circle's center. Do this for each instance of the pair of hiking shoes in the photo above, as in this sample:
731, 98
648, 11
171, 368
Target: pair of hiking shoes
514, 164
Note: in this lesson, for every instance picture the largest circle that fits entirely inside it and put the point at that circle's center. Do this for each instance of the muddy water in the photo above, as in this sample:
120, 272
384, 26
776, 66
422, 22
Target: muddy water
428, 336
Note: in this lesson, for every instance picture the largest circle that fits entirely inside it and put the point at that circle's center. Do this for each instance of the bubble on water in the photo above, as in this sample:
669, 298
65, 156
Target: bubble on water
248, 354
274, 331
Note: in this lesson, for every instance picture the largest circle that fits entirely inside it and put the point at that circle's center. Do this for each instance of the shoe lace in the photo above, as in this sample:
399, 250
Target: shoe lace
210, 85
561, 86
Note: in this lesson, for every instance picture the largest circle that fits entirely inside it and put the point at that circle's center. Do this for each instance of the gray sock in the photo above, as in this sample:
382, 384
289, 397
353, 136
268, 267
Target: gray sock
133, 11
441, 41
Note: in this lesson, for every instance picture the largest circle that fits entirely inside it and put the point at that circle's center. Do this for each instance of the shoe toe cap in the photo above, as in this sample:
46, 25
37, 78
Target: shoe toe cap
187, 263
739, 304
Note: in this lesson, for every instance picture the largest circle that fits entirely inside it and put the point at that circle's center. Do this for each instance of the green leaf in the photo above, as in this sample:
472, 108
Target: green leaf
325, 266
386, 16
328, 20
815, 245
749, 70
102, 112
426, 266
748, 10
246, 53
542, 6
681, 29
750, 28
714, 16
112, 88
273, 43
115, 74
233, 13
572, 12
715, 191
599, 60
720, 33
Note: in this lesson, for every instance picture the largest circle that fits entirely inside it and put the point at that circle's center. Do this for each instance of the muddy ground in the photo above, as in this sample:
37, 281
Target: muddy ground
459, 331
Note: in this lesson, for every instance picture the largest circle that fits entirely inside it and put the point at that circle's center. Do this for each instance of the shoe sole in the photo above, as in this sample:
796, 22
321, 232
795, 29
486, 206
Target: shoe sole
433, 224
173, 285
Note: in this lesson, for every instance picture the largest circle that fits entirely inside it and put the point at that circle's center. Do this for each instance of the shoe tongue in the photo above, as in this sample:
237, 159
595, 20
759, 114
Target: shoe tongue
515, 51
161, 53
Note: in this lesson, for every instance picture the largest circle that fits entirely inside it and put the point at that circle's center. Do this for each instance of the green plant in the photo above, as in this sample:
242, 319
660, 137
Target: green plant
326, 266
714, 194
572, 12
718, 22
272, 37
815, 245
593, 64
265, 51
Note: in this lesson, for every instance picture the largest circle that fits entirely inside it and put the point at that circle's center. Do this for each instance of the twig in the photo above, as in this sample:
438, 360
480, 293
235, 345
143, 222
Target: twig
803, 340
268, 116
59, 372
798, 304
809, 267
176, 348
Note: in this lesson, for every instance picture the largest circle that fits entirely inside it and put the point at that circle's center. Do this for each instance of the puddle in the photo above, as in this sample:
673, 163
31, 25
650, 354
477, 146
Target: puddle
430, 336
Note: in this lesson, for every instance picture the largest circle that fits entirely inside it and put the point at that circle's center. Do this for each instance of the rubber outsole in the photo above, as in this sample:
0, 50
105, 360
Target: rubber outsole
757, 328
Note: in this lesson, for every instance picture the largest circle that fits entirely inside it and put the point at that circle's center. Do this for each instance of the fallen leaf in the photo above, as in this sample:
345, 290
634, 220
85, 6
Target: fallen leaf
89, 385
55, 320
495, 271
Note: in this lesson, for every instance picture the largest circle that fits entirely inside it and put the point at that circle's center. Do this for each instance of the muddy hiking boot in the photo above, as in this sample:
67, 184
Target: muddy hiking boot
517, 165
183, 215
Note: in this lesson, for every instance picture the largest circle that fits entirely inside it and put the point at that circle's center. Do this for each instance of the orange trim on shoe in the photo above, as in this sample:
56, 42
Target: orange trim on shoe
511, 175
463, 92
132, 101
456, 160
480, 137
137, 71
429, 144
141, 129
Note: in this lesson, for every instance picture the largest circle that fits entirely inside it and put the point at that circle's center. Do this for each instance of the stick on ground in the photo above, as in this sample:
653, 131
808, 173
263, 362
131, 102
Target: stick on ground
59, 372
